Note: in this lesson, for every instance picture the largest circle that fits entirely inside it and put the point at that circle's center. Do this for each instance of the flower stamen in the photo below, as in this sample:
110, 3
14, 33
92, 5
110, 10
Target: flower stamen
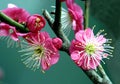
90, 49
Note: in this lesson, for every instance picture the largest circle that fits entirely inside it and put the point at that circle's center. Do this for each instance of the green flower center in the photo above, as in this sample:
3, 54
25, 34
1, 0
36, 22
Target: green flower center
90, 49
39, 50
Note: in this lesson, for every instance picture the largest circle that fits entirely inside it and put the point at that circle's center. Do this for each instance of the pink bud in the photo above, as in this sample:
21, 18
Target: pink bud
57, 42
35, 23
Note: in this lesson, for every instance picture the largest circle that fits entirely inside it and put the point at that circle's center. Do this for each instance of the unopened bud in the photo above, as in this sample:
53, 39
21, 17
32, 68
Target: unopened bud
35, 23
57, 42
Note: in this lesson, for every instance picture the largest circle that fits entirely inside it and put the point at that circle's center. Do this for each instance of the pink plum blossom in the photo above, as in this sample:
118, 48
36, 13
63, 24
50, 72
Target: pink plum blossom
87, 50
73, 18
76, 14
40, 51
57, 42
7, 30
35, 23
18, 14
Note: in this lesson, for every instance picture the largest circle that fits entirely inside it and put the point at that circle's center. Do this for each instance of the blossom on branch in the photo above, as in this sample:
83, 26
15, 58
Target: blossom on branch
87, 50
35, 23
18, 14
73, 18
10, 34
7, 30
40, 50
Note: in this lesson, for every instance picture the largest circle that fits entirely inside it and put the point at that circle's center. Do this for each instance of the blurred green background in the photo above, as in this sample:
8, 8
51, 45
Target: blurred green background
104, 14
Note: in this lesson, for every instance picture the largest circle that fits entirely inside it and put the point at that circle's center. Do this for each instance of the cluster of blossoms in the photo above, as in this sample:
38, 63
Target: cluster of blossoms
72, 18
86, 50
39, 48
34, 23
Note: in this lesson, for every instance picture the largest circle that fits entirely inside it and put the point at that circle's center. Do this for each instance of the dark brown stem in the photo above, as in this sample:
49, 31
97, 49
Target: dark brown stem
86, 17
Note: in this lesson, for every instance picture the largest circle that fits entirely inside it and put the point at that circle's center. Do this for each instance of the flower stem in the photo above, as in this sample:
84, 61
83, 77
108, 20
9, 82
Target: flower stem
86, 17
106, 79
8, 20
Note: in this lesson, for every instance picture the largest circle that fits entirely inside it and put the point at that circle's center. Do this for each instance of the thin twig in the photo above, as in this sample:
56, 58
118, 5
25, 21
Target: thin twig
86, 17
56, 26
106, 79
94, 76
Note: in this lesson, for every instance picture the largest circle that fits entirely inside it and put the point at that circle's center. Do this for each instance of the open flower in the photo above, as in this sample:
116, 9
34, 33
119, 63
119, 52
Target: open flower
10, 33
87, 50
39, 51
35, 23
73, 18
7, 30
18, 14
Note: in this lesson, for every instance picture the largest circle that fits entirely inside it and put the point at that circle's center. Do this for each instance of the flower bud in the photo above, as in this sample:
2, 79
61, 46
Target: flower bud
35, 23
57, 42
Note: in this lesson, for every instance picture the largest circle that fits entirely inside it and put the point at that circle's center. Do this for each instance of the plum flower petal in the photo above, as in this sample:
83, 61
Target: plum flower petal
18, 14
39, 50
7, 30
10, 34
75, 55
57, 42
35, 23
4, 29
87, 49
76, 14
73, 18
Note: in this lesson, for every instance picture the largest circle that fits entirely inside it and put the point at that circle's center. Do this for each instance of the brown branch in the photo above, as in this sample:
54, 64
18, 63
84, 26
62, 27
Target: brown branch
56, 27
